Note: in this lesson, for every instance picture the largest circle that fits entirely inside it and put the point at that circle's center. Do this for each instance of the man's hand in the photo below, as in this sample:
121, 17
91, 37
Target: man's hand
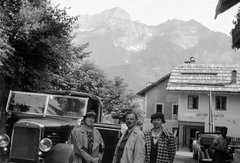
95, 160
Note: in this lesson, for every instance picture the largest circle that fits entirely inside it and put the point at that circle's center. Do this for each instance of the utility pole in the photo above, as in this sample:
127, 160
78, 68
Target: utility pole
210, 112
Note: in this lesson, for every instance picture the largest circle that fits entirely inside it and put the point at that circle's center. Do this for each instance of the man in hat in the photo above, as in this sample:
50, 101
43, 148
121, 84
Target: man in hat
131, 146
87, 141
220, 146
160, 143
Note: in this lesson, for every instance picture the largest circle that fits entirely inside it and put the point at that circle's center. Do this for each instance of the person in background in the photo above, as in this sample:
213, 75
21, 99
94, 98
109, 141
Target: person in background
220, 146
160, 143
87, 141
131, 146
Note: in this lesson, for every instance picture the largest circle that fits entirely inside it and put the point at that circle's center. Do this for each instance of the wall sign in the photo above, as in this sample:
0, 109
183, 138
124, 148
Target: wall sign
206, 115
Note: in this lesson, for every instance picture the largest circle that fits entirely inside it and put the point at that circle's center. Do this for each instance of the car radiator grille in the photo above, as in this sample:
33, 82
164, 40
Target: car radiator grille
25, 145
55, 134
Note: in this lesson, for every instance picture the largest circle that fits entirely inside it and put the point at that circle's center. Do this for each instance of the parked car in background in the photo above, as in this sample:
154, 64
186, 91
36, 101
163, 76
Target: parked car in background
200, 147
39, 126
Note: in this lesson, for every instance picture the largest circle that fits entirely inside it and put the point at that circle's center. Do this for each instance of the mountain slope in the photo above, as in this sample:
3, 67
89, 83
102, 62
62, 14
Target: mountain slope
140, 53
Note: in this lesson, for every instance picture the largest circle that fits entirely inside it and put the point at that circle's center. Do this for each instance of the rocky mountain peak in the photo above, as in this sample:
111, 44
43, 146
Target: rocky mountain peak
139, 53
114, 13
110, 17
185, 34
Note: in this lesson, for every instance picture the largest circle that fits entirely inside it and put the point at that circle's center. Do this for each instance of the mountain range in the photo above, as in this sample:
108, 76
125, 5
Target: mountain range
141, 53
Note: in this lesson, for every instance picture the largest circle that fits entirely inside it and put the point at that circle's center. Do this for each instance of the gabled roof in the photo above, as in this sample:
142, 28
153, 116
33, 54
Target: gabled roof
142, 92
204, 77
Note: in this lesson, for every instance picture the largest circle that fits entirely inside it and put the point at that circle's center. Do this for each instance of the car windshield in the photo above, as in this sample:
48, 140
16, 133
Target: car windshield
35, 103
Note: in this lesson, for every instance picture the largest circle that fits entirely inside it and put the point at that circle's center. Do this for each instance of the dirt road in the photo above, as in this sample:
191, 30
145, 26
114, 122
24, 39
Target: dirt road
184, 157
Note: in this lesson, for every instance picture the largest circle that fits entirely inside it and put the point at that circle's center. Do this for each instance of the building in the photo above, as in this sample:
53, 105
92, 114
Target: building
158, 99
208, 98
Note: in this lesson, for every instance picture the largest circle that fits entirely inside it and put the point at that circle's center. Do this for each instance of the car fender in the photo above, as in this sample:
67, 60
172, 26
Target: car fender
60, 153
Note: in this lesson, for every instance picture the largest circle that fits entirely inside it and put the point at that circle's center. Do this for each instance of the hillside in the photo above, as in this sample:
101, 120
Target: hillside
140, 53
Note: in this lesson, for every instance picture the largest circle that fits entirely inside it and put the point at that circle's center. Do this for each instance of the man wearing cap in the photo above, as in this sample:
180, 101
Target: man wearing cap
160, 143
220, 146
131, 146
87, 141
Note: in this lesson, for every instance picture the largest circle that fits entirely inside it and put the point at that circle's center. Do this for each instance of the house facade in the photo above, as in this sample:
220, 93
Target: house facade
158, 99
208, 98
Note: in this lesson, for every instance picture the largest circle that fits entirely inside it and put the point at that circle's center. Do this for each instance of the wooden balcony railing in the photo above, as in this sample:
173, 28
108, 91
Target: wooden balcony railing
236, 36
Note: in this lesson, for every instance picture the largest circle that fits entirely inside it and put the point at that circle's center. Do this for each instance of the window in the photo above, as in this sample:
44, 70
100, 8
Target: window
175, 111
221, 103
159, 108
192, 102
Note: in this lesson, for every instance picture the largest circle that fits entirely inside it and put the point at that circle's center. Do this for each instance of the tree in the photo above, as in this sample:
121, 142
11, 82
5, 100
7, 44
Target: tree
114, 93
37, 52
118, 96
41, 36
119, 99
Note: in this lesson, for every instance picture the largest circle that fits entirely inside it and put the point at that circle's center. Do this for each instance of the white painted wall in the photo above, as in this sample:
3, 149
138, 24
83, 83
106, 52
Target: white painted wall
229, 118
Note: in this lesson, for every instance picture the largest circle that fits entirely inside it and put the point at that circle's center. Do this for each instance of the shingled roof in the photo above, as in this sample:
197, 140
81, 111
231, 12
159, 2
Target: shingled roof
205, 77
142, 92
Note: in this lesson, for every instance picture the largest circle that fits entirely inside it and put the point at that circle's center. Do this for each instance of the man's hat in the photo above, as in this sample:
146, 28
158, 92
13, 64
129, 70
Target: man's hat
90, 114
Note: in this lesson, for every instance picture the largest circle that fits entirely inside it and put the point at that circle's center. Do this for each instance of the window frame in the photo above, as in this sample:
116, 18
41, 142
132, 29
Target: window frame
221, 105
162, 107
197, 103
174, 116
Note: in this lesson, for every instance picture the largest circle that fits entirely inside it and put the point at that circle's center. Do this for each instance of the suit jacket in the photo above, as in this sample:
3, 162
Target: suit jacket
80, 142
134, 150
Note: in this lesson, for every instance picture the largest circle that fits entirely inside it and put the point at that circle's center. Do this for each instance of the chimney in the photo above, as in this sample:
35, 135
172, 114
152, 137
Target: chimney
192, 60
234, 77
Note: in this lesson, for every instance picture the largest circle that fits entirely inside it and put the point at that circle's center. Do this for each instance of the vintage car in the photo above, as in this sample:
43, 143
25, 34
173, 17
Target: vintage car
200, 147
38, 126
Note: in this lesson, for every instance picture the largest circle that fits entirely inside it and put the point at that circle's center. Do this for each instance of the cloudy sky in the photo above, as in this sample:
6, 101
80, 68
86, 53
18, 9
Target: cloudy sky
154, 12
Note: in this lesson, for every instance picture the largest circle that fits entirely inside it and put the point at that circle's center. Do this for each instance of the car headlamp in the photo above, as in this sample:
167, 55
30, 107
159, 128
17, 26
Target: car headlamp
4, 140
45, 144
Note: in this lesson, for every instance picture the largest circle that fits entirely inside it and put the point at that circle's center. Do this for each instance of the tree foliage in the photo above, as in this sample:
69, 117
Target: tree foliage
41, 38
114, 93
37, 52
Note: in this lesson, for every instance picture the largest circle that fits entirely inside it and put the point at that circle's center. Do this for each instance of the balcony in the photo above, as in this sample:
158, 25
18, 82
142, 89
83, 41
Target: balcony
236, 36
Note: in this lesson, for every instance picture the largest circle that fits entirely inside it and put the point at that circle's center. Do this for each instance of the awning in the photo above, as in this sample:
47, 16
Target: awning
224, 5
